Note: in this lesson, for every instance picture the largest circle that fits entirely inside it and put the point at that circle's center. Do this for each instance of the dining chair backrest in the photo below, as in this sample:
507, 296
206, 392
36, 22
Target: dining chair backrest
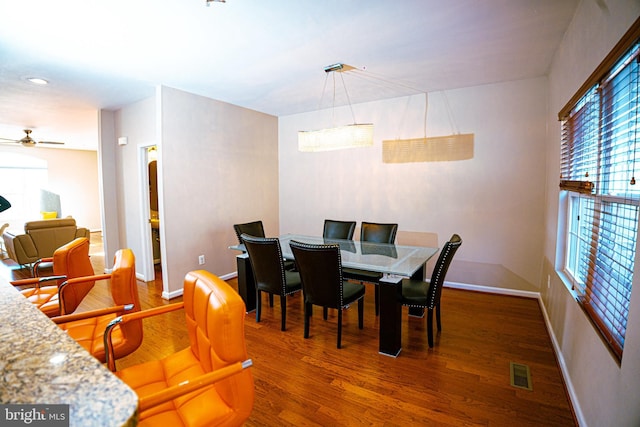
338, 229
440, 270
87, 327
378, 233
254, 228
72, 260
267, 263
320, 268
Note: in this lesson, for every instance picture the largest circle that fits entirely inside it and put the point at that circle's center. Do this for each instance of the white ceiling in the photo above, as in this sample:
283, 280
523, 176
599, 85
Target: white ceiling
266, 55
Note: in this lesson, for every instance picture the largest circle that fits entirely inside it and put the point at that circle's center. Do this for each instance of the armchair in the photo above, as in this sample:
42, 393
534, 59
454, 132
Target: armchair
320, 269
254, 228
41, 239
270, 274
416, 293
374, 233
206, 383
338, 229
88, 327
69, 261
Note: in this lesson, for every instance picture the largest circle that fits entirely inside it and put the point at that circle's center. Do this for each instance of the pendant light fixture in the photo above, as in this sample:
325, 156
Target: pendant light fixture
339, 137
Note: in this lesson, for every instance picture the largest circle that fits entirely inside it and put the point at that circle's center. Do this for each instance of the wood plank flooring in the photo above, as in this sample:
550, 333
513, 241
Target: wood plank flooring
463, 381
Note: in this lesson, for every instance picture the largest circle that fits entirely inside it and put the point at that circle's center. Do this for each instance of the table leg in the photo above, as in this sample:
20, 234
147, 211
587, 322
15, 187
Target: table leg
390, 317
246, 282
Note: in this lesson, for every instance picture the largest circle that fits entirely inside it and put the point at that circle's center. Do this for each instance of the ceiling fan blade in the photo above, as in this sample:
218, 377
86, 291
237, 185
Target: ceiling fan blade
27, 141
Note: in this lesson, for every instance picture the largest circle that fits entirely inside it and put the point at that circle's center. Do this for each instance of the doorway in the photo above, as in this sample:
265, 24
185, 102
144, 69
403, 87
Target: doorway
151, 225
154, 214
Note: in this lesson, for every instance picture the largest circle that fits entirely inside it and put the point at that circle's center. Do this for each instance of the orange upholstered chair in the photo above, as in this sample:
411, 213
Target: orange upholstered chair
69, 261
87, 328
206, 383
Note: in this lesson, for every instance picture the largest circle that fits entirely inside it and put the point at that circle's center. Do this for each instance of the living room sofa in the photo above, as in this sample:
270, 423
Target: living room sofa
41, 238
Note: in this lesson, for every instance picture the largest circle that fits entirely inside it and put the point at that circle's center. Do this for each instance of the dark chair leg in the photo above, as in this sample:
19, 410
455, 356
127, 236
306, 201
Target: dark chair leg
339, 327
438, 322
430, 327
307, 311
270, 300
258, 305
283, 311
361, 313
377, 292
325, 312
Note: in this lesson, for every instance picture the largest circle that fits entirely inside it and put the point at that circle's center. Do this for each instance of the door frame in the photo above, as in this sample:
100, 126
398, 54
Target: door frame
148, 270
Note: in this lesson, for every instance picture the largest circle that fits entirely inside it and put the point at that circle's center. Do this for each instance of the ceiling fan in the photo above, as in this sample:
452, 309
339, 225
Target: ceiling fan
27, 141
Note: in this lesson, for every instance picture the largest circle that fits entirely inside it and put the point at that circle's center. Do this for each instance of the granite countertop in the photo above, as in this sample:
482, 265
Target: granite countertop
41, 364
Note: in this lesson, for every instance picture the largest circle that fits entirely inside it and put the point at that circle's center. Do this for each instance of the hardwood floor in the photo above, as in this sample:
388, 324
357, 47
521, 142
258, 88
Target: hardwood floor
463, 381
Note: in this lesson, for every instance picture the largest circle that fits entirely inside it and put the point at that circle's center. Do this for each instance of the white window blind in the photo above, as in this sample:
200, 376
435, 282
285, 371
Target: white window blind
598, 167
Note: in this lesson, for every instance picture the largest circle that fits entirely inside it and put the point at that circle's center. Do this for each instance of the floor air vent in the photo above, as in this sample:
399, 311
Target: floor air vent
520, 376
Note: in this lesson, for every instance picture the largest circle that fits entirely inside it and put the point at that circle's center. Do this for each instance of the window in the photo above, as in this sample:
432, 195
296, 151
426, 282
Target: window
600, 130
21, 178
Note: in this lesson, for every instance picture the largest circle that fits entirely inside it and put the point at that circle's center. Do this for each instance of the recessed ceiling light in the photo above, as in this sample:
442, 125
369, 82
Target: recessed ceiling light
37, 80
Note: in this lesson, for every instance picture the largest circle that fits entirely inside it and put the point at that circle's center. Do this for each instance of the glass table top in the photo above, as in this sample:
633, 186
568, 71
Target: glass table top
377, 257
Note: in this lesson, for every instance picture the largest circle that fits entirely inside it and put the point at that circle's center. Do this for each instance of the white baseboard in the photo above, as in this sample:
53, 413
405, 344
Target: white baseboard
171, 295
492, 290
229, 276
563, 368
179, 292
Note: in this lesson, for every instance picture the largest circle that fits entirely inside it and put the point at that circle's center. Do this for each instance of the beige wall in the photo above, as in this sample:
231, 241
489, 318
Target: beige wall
217, 165
494, 201
604, 393
136, 122
73, 174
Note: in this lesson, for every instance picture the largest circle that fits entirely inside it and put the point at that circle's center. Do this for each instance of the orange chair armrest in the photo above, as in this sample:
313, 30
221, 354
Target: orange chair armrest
63, 287
138, 315
36, 265
150, 312
36, 280
22, 282
86, 279
93, 313
192, 385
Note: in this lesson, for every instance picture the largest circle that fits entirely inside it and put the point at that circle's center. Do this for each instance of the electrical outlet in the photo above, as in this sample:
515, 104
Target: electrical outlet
201, 259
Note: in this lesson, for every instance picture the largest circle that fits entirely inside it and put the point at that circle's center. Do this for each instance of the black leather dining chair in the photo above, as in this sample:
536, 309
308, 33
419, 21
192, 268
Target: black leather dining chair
320, 270
417, 293
378, 233
373, 232
338, 229
254, 228
265, 256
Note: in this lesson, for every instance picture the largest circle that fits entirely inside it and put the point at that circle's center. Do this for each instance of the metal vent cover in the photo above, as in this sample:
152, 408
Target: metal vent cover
520, 376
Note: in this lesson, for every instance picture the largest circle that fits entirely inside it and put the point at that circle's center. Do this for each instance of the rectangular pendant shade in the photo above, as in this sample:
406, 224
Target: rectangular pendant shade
350, 136
433, 149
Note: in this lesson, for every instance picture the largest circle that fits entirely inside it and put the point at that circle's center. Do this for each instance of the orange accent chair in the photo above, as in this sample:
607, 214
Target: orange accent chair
87, 328
206, 383
69, 261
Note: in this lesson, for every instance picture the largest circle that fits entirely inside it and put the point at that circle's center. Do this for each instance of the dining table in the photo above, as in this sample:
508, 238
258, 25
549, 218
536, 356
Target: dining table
393, 262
